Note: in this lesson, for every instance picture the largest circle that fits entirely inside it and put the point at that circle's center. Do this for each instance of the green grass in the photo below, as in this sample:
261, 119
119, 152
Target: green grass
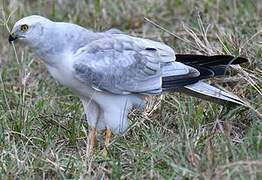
42, 127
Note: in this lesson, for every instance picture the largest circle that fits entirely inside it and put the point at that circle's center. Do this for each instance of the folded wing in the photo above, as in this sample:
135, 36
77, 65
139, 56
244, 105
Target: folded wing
121, 64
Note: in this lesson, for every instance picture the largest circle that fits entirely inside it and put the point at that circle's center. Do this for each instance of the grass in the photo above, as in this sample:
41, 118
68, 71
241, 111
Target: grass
42, 127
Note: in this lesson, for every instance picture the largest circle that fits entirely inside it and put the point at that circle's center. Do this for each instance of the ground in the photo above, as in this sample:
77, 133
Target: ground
43, 130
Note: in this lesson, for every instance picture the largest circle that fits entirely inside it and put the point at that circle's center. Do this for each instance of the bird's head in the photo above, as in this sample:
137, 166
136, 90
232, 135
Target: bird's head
28, 29
48, 39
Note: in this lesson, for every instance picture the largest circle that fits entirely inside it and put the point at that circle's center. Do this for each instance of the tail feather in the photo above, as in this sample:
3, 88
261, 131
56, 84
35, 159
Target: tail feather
205, 91
208, 66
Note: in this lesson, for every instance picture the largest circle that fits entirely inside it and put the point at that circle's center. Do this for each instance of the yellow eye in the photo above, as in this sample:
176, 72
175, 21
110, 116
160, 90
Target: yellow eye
24, 28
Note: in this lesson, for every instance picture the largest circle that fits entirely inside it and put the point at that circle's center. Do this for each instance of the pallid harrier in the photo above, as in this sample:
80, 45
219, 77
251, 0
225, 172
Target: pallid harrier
112, 72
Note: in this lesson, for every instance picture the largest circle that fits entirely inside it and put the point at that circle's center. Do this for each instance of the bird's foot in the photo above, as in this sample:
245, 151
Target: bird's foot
107, 136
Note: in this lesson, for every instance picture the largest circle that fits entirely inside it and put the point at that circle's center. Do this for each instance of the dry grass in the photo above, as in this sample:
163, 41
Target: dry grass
42, 126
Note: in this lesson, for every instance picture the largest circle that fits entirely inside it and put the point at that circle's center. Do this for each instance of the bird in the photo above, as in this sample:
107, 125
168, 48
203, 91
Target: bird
113, 72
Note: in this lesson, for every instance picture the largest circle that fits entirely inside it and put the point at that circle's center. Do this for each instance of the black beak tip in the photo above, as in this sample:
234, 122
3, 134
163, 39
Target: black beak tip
11, 38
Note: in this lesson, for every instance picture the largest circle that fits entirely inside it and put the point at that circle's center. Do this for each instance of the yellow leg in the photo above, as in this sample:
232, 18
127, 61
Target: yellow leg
107, 136
92, 140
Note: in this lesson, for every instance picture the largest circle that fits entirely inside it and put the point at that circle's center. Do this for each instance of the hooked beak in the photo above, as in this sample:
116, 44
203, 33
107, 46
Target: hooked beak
12, 37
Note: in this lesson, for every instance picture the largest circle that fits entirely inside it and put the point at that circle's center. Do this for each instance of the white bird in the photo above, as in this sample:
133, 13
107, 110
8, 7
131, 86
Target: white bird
112, 72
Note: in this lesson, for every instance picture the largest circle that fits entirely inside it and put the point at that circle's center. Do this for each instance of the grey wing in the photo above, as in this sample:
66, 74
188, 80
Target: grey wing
121, 64
118, 67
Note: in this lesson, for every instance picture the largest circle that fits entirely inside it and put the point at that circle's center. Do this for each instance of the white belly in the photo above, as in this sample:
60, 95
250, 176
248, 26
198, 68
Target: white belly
113, 108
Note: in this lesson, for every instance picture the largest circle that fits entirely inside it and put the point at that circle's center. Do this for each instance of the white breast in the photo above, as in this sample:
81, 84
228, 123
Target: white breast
63, 73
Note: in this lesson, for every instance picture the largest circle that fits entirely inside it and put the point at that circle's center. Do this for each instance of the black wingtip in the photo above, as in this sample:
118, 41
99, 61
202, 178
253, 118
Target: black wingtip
202, 60
240, 60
